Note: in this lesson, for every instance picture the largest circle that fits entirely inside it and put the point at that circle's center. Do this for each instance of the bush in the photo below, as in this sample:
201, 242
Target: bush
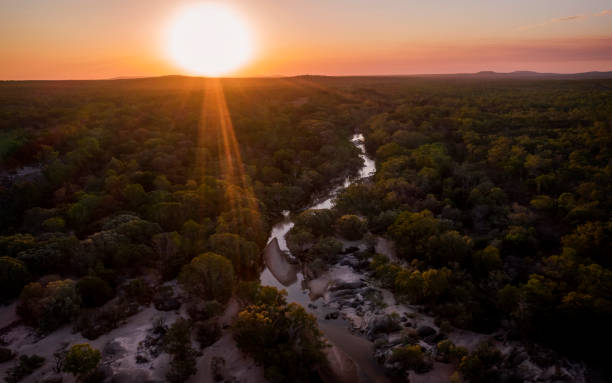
243, 254
138, 291
284, 338
207, 333
94, 291
411, 358
448, 352
13, 276
481, 366
209, 276
351, 227
177, 342
95, 322
81, 359
27, 365
51, 306
6, 354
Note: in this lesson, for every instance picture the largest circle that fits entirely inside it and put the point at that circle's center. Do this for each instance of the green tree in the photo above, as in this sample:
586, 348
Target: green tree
243, 254
284, 338
94, 291
81, 360
208, 276
13, 276
351, 227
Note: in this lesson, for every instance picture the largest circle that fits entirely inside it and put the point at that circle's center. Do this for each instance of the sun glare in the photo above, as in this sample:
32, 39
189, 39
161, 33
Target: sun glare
209, 40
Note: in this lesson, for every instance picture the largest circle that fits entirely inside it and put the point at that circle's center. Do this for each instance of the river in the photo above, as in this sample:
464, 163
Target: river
283, 274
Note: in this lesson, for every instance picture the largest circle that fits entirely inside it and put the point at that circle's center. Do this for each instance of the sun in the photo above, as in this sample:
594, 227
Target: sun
208, 39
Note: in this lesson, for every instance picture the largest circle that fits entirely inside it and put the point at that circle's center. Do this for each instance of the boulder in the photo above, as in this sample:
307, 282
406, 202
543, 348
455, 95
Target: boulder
169, 304
382, 324
347, 285
425, 331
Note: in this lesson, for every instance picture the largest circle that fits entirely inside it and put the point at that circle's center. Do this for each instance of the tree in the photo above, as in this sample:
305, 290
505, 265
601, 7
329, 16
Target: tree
243, 254
13, 276
208, 276
351, 227
284, 338
50, 306
412, 231
177, 342
81, 360
94, 291
411, 357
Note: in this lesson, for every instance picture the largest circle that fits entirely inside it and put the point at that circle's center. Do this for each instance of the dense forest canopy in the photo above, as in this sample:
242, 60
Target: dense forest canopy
496, 193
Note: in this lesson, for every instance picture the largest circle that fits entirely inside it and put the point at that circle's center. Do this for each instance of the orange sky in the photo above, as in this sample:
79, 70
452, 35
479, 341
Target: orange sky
59, 39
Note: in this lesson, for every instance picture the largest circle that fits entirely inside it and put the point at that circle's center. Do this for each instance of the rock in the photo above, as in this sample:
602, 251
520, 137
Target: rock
141, 359
347, 286
350, 250
170, 304
425, 331
381, 341
517, 357
332, 315
113, 349
382, 324
6, 354
434, 339
395, 339
131, 376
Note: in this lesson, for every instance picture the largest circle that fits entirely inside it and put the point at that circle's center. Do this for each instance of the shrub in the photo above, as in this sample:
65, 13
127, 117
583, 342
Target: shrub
27, 365
208, 276
94, 291
13, 276
411, 358
351, 227
138, 291
177, 342
284, 338
81, 359
51, 306
448, 352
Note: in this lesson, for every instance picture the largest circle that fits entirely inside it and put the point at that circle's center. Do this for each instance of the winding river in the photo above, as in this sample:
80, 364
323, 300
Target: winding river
284, 273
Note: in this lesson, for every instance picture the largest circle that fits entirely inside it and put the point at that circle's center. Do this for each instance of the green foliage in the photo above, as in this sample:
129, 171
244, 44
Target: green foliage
284, 338
351, 227
481, 366
412, 231
50, 306
13, 276
243, 254
27, 365
208, 276
449, 352
54, 224
177, 342
326, 248
411, 358
94, 291
81, 359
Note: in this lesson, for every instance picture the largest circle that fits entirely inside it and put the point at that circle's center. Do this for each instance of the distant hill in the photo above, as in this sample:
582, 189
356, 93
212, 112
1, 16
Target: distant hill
527, 75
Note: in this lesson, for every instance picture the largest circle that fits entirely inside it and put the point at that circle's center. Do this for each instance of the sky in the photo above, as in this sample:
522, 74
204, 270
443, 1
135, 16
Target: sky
84, 39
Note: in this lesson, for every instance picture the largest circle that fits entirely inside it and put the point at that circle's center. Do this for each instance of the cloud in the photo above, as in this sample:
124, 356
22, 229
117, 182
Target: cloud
563, 19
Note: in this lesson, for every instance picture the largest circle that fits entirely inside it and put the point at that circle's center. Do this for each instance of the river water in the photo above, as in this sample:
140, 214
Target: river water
285, 275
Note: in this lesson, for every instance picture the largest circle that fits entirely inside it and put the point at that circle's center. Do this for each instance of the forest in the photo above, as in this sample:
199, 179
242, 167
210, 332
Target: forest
126, 197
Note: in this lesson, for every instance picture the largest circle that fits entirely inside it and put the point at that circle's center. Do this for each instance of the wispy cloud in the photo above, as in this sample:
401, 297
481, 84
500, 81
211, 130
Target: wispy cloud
563, 19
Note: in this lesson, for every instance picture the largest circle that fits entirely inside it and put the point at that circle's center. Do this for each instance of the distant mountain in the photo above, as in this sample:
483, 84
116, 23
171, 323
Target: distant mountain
529, 75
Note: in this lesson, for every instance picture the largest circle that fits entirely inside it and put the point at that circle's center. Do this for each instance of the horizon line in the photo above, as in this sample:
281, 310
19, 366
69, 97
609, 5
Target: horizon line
482, 72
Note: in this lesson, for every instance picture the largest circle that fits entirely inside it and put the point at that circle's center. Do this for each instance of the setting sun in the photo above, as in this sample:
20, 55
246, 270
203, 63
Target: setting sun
208, 39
